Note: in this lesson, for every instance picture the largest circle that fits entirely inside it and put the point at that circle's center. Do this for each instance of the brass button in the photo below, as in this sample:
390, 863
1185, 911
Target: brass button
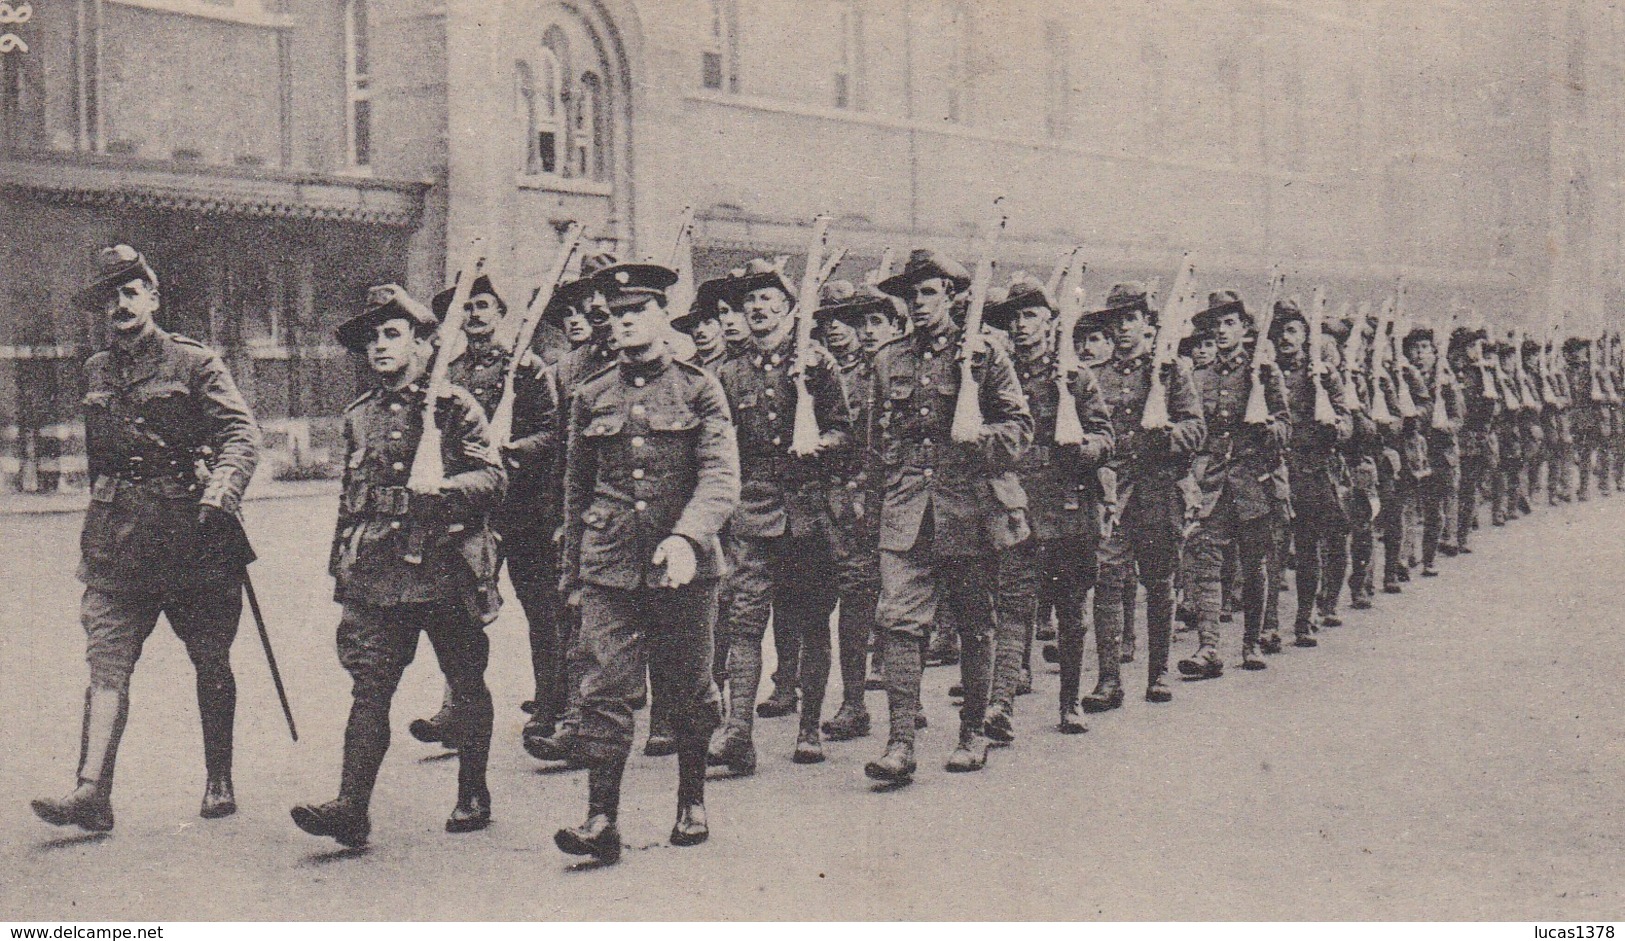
851, 485
925, 410
772, 416
637, 441
638, 410
139, 420
925, 380
637, 473
394, 524
777, 440
641, 505
928, 354
769, 393
394, 436
394, 406
398, 466
638, 381
929, 472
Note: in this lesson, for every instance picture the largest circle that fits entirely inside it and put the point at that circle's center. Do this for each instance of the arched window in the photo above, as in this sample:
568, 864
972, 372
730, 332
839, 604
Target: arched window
539, 93
586, 140
719, 56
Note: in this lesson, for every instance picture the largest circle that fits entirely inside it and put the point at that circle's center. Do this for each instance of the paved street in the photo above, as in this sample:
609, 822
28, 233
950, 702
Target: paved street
1456, 753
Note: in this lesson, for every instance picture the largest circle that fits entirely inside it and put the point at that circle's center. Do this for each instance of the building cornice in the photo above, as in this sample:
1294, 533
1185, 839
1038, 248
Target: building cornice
105, 182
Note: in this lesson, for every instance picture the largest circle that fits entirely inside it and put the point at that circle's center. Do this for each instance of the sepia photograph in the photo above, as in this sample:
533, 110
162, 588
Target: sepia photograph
514, 461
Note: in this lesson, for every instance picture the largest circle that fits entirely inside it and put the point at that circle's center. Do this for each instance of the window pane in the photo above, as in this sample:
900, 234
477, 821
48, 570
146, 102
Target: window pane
711, 69
363, 133
358, 32
547, 145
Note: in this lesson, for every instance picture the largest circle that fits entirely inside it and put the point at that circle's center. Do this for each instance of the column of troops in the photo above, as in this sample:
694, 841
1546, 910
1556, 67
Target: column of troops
661, 504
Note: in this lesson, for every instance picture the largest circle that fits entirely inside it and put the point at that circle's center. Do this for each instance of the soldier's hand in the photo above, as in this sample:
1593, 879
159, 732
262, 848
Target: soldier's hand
427, 488
677, 555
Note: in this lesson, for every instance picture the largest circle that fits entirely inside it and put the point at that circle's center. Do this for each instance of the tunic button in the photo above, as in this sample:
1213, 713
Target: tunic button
398, 466
394, 524
139, 420
928, 354
925, 380
394, 436
768, 393
926, 442
640, 505
394, 406
925, 410
929, 472
772, 416
638, 410
851, 485
637, 442
638, 381
777, 440
637, 473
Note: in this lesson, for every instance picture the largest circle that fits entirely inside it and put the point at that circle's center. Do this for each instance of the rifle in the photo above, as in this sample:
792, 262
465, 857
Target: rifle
968, 424
502, 418
1258, 409
805, 435
1381, 350
1324, 413
1353, 359
1399, 328
1440, 418
428, 466
1609, 393
1068, 427
1166, 351
1063, 268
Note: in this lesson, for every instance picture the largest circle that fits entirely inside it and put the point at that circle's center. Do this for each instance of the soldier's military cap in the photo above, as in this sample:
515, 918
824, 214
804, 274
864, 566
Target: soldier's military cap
570, 293
1025, 291
760, 273
1531, 345
1338, 328
1125, 297
440, 304
1416, 335
1464, 336
924, 264
116, 266
841, 300
385, 302
1286, 311
1220, 303
632, 283
1575, 344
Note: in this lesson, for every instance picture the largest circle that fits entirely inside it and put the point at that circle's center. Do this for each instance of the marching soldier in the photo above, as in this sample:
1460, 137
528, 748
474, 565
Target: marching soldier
1560, 419
652, 475
1480, 445
1432, 378
780, 538
410, 558
1059, 564
1315, 467
1510, 430
1238, 473
1407, 440
948, 508
1362, 453
171, 447
1585, 414
703, 323
851, 325
582, 313
1142, 543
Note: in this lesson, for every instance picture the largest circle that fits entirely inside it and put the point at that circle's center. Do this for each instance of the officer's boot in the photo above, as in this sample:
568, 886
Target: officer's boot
809, 743
691, 828
903, 659
1303, 627
1159, 627
1108, 693
473, 810
786, 674
976, 669
1334, 569
1131, 604
90, 807
366, 740
733, 747
852, 634
434, 730
217, 706
662, 741
598, 836
1205, 662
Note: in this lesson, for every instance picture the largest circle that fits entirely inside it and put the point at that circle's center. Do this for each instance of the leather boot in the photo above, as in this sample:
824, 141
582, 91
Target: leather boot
366, 741
976, 675
473, 810
903, 661
661, 741
809, 746
560, 746
971, 755
733, 750
1205, 663
1108, 692
1159, 623
217, 706
691, 828
433, 730
1000, 726
781, 703
598, 836
89, 806
1305, 629
850, 721
744, 682
339, 819
1251, 659
1071, 721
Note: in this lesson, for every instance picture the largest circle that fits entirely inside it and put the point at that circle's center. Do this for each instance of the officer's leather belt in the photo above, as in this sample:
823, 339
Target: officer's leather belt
141, 475
388, 501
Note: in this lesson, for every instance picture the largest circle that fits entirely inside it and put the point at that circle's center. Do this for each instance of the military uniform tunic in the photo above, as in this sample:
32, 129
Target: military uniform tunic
165, 431
651, 454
